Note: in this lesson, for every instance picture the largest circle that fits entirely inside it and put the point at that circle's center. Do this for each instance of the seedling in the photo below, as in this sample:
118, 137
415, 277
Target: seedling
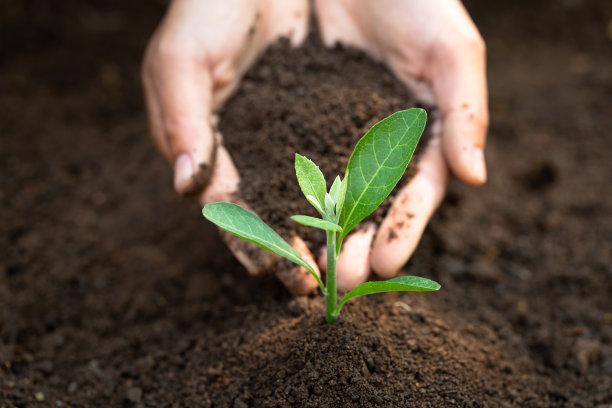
376, 165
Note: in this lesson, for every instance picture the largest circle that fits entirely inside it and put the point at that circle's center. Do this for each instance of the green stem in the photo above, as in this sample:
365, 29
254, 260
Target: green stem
332, 292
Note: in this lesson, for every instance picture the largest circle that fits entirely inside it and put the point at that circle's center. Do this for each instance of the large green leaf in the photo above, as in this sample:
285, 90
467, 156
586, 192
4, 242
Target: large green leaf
399, 284
311, 179
246, 225
378, 163
316, 223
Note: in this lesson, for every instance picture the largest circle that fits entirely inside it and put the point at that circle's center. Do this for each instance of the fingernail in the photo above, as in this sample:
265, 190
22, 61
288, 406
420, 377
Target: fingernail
479, 169
183, 172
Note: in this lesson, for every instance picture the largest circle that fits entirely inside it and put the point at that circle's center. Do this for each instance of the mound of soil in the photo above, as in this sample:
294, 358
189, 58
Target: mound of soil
310, 100
111, 294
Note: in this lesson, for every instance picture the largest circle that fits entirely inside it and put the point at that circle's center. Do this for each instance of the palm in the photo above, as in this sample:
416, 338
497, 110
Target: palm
435, 50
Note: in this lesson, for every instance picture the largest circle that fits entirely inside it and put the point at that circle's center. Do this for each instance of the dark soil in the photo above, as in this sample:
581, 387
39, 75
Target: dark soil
112, 293
310, 100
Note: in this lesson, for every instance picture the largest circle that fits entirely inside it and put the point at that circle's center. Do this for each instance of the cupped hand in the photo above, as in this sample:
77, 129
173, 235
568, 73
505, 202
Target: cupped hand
436, 51
192, 64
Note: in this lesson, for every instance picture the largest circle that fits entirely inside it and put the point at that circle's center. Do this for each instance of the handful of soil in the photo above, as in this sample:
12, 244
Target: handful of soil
314, 101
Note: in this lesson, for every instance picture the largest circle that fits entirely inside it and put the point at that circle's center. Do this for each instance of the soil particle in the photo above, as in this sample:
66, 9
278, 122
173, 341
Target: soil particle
297, 306
238, 403
134, 394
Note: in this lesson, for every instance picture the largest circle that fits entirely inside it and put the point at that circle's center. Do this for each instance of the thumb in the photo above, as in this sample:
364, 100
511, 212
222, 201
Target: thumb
185, 98
460, 87
463, 144
178, 91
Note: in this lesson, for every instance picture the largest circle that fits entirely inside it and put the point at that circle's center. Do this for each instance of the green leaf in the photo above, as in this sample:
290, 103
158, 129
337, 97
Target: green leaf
310, 178
378, 163
340, 200
399, 284
246, 225
329, 206
313, 200
316, 223
334, 190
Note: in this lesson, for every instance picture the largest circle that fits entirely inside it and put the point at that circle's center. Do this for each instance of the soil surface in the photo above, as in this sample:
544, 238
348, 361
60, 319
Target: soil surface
310, 100
116, 292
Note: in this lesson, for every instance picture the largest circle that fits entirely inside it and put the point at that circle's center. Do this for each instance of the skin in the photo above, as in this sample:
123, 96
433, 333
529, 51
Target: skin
201, 49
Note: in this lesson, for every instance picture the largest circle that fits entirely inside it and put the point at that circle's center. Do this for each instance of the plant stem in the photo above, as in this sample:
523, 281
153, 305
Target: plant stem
332, 292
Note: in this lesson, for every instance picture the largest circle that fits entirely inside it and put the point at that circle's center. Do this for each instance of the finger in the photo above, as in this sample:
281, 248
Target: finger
224, 180
257, 261
154, 113
287, 19
353, 266
400, 231
180, 86
322, 259
336, 24
223, 186
458, 76
296, 278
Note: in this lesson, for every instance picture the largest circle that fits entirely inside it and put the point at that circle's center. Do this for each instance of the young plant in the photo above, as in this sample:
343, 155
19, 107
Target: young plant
376, 165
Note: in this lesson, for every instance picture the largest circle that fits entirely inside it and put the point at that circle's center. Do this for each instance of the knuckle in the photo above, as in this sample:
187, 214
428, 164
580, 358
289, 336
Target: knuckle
462, 40
170, 51
181, 129
479, 121
476, 44
472, 42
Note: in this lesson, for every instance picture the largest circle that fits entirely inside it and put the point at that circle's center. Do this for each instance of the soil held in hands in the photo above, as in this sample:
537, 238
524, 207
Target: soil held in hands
311, 100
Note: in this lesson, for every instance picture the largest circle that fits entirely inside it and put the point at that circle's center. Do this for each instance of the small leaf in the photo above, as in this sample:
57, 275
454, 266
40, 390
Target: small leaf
399, 284
334, 190
246, 225
310, 178
329, 206
378, 162
340, 200
318, 206
316, 223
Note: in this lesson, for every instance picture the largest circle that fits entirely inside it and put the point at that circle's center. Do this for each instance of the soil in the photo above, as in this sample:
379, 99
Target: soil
310, 100
112, 294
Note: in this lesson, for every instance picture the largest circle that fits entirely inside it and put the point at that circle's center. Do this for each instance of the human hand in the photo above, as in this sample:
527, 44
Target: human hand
436, 51
192, 64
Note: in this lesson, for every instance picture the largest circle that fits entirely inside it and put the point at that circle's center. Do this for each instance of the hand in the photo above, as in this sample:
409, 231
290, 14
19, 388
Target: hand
436, 51
192, 64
